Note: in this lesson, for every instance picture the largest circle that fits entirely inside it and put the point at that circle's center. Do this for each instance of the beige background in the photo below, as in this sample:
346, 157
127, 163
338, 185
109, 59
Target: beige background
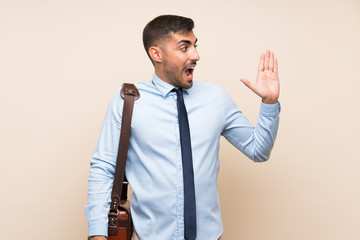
61, 61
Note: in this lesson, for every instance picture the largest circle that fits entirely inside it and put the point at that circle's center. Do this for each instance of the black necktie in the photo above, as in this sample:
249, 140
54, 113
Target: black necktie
188, 172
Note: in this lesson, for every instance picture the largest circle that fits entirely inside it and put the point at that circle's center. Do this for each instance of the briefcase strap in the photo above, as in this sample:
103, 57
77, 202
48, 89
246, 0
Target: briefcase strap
119, 190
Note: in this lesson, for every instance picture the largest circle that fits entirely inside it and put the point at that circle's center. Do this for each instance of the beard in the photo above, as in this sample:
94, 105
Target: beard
175, 76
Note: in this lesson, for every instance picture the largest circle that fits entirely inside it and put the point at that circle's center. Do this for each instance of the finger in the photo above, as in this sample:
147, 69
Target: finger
261, 63
271, 61
267, 56
248, 83
276, 66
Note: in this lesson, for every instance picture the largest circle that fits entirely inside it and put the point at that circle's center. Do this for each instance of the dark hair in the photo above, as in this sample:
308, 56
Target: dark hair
162, 26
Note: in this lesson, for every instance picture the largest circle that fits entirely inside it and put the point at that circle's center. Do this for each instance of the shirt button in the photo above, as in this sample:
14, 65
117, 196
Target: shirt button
180, 193
179, 217
179, 168
178, 145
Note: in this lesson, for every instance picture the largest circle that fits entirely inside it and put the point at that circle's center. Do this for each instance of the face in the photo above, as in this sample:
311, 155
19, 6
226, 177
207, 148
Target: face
179, 60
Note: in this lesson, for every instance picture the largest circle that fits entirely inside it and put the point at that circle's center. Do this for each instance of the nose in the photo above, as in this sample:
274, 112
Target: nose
194, 55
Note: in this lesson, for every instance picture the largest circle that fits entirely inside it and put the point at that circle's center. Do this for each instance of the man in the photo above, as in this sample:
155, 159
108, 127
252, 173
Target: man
159, 153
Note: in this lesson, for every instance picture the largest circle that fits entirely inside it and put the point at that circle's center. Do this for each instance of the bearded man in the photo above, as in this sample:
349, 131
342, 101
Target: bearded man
173, 156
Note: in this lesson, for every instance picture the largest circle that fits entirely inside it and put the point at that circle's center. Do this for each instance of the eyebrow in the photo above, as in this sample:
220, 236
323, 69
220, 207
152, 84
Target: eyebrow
187, 41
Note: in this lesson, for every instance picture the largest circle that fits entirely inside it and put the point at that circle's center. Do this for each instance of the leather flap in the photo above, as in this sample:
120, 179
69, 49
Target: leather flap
129, 89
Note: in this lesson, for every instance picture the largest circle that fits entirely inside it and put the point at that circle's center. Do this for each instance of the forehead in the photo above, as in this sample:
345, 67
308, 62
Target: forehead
177, 38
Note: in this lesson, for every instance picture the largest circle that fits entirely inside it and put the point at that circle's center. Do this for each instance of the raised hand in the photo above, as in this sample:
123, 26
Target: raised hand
267, 85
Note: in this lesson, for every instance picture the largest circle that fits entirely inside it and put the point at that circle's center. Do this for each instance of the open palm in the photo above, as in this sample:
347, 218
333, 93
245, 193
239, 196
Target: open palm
267, 84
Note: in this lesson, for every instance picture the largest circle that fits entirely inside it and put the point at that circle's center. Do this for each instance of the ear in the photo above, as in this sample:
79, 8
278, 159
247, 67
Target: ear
156, 54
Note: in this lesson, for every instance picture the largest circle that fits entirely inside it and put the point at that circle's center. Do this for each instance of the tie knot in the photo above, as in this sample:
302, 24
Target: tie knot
179, 91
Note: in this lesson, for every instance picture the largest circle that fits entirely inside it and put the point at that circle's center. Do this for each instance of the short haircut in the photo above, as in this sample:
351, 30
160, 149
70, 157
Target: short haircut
160, 28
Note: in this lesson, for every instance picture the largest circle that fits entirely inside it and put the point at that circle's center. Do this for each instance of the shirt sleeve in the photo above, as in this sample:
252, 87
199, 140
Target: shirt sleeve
255, 142
102, 169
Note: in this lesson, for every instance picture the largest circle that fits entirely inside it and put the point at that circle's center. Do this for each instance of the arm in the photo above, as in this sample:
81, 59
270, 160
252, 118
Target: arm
256, 142
102, 170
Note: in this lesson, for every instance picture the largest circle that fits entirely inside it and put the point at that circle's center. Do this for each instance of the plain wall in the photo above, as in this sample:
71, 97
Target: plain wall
61, 62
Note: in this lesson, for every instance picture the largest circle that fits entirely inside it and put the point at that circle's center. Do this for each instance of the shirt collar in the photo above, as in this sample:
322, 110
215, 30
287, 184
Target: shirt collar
163, 87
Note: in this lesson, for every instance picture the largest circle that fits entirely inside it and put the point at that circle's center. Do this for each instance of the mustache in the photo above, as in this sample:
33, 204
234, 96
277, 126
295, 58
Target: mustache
190, 64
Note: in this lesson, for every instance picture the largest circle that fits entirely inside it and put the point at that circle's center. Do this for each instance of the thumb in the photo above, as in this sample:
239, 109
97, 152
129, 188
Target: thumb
247, 83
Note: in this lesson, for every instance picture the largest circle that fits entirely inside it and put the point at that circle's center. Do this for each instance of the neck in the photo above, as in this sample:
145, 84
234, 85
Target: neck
160, 74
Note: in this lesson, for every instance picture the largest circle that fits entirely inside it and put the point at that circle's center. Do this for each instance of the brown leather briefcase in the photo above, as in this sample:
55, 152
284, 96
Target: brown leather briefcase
119, 218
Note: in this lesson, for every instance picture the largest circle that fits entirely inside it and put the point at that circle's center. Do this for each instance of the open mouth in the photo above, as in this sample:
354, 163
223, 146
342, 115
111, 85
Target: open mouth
189, 72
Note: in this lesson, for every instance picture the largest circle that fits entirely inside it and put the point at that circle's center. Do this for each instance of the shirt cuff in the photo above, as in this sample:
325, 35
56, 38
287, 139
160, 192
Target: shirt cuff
270, 110
98, 228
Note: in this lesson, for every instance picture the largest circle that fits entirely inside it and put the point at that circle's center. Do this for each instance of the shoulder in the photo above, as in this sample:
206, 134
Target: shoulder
205, 85
143, 85
206, 88
147, 89
117, 99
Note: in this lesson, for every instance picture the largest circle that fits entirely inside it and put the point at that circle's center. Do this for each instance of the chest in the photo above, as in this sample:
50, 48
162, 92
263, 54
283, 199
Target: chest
155, 119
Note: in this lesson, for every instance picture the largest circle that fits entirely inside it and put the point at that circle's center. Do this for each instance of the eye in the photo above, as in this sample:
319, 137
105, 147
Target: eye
183, 49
